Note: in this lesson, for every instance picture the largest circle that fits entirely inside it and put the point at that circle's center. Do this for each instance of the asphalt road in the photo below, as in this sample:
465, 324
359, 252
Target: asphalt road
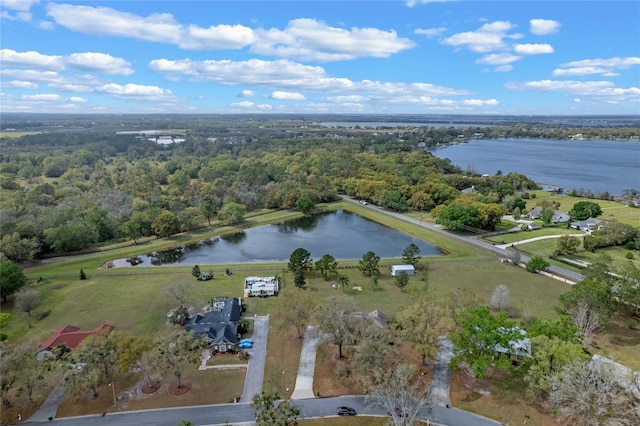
241, 413
573, 276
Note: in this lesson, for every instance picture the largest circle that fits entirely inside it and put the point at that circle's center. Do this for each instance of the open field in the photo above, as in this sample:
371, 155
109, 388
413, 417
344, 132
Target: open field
611, 210
208, 387
132, 299
16, 135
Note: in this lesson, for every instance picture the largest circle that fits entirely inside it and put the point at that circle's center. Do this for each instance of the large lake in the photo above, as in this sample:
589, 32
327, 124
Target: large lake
597, 166
341, 234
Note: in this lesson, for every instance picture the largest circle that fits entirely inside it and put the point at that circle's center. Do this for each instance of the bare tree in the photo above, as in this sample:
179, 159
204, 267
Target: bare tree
27, 299
500, 298
177, 350
585, 316
181, 291
400, 391
589, 394
296, 309
337, 321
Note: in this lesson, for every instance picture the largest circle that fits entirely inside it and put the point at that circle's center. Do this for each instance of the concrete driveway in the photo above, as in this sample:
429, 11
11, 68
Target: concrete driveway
442, 374
304, 380
257, 355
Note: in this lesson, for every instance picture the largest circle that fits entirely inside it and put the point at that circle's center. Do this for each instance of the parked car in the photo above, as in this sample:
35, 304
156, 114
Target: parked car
246, 341
398, 412
245, 345
346, 411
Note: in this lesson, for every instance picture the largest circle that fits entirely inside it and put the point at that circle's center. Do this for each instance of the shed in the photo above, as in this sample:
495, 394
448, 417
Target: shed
397, 269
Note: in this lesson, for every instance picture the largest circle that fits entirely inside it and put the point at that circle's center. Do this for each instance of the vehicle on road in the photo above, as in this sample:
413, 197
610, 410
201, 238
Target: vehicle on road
398, 412
346, 411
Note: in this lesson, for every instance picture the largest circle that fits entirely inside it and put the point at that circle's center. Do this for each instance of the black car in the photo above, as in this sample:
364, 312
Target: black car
346, 411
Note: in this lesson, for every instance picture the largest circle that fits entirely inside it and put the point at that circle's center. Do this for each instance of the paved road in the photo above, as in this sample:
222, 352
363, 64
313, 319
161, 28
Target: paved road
573, 276
258, 353
241, 413
304, 379
442, 374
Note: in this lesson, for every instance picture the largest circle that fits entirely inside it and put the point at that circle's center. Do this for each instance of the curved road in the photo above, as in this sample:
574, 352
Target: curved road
241, 413
573, 276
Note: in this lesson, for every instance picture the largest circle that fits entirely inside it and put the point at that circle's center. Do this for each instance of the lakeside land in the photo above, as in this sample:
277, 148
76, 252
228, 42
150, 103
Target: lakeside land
137, 177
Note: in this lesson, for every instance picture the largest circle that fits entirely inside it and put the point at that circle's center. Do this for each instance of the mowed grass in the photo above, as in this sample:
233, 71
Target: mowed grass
214, 386
611, 210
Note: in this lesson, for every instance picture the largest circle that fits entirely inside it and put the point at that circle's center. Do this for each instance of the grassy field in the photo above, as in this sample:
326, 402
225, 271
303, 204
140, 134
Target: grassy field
611, 210
132, 300
16, 135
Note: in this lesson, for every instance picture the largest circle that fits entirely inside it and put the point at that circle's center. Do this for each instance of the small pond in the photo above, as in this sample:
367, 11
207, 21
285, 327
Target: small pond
341, 234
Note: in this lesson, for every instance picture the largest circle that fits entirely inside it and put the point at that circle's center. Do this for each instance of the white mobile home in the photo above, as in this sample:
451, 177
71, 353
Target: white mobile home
261, 286
397, 269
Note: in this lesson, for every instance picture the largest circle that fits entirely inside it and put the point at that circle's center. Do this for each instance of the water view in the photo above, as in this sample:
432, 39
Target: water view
597, 165
341, 234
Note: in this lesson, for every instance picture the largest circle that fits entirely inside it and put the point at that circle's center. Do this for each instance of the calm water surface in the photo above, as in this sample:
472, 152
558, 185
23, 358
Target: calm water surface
341, 234
598, 166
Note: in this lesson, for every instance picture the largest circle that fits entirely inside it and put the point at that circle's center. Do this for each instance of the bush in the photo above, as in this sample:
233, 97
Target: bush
83, 275
42, 315
632, 323
629, 255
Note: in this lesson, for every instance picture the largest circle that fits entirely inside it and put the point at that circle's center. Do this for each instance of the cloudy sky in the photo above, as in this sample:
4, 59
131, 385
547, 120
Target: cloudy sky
322, 56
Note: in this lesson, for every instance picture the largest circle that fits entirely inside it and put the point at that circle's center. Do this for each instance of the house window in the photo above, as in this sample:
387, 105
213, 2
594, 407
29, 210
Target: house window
222, 348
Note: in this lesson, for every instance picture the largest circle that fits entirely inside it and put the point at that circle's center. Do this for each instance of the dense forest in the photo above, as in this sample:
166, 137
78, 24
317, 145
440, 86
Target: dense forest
69, 183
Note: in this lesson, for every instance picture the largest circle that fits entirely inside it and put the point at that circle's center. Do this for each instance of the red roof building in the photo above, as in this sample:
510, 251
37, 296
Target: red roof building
71, 336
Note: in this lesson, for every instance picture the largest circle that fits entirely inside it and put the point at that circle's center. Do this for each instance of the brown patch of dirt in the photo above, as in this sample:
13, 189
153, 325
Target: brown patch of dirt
148, 390
175, 390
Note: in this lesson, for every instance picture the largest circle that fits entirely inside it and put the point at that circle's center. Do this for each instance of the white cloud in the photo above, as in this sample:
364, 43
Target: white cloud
533, 49
21, 5
430, 32
264, 107
543, 26
21, 8
41, 97
99, 62
602, 91
480, 102
503, 68
498, 59
88, 61
247, 93
70, 87
607, 67
134, 90
77, 99
309, 39
212, 38
412, 3
283, 74
489, 37
243, 104
288, 96
30, 75
18, 84
159, 27
30, 59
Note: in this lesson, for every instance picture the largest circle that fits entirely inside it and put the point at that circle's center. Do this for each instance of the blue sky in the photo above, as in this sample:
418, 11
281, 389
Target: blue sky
357, 57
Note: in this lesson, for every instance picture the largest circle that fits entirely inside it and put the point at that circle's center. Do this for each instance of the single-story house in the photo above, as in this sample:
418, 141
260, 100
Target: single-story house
532, 227
261, 286
71, 336
534, 213
471, 190
219, 324
625, 376
517, 348
587, 224
560, 217
397, 269
376, 317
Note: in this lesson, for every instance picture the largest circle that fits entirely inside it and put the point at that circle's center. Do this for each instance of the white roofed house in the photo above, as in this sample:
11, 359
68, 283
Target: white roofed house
261, 286
397, 269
